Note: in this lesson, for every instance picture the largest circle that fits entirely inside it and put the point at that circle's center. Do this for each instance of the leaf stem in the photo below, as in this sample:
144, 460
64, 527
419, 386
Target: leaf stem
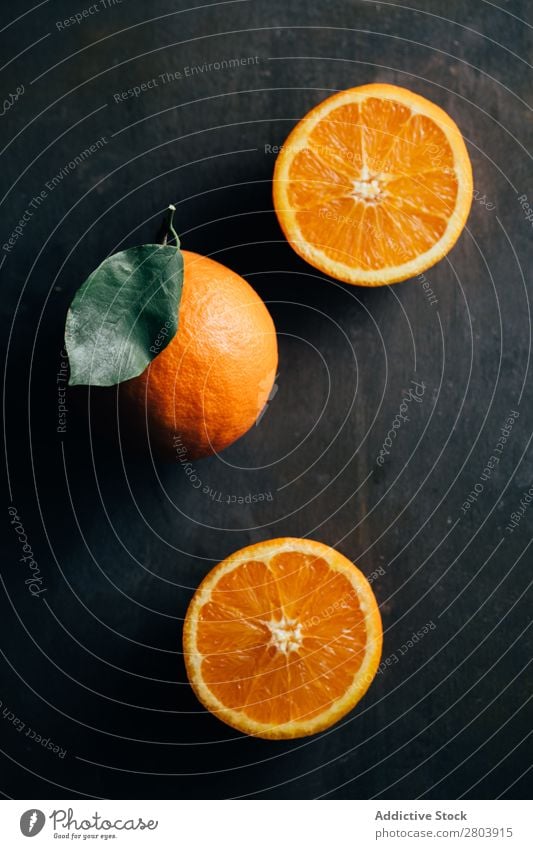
175, 236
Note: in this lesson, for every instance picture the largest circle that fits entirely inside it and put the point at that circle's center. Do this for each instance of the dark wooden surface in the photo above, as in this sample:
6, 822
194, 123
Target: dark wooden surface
94, 663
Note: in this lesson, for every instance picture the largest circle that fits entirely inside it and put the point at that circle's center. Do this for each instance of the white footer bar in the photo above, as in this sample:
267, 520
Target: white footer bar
264, 824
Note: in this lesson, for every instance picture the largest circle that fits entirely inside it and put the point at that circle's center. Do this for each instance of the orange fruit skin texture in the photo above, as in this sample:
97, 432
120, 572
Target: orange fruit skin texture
208, 386
282, 638
373, 185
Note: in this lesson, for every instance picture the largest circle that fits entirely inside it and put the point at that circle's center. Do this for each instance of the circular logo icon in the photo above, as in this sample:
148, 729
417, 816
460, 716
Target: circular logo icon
32, 822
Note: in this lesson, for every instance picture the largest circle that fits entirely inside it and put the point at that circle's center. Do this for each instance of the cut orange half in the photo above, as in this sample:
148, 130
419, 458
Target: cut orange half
374, 185
282, 638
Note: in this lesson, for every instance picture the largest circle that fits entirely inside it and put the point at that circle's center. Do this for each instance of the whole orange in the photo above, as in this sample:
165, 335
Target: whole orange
208, 386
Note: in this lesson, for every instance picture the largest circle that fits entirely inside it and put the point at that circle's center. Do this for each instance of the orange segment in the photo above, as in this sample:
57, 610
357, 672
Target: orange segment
374, 185
340, 140
282, 638
314, 176
383, 121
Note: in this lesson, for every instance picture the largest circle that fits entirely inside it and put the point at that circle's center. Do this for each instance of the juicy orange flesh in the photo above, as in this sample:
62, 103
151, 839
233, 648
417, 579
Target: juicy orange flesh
311, 607
375, 184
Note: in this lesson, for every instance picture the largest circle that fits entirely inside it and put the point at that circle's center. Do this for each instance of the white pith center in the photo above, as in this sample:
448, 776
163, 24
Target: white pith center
285, 634
370, 189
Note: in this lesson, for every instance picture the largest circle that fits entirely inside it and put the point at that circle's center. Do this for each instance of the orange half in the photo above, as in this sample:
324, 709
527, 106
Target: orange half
282, 638
374, 185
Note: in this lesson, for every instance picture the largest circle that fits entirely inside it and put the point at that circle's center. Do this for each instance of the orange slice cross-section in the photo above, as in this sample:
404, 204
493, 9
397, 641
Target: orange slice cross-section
374, 185
282, 638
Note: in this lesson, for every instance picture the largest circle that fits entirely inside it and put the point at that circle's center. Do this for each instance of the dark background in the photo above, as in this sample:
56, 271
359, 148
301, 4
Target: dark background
94, 662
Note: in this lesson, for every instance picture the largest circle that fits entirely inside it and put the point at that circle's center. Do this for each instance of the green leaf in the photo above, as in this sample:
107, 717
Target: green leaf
125, 314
